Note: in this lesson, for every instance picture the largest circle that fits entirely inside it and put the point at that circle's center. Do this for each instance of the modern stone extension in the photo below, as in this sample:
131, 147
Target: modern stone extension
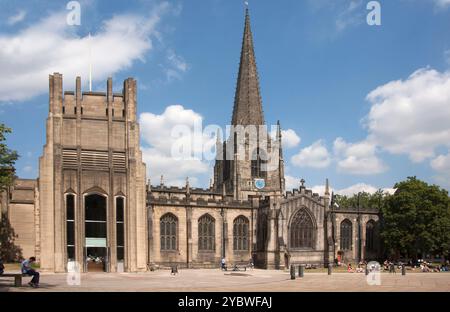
91, 200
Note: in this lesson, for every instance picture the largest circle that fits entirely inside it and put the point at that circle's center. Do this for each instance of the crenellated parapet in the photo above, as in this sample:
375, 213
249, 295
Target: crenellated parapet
183, 196
304, 192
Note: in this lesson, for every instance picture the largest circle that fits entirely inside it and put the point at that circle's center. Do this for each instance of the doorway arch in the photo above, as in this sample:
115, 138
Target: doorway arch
95, 222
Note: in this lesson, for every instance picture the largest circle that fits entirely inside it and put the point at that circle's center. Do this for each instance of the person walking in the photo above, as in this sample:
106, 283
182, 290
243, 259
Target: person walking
224, 264
392, 268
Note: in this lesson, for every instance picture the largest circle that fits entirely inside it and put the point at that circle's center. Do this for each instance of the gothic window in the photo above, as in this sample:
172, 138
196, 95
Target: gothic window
370, 236
120, 228
168, 229
346, 235
240, 233
258, 164
70, 226
206, 233
302, 230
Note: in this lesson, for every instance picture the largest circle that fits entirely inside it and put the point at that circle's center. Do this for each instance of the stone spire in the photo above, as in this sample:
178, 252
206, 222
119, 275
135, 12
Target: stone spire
279, 139
280, 160
247, 108
149, 186
188, 187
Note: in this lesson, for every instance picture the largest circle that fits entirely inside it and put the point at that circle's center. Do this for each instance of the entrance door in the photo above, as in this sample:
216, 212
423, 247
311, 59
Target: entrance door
95, 233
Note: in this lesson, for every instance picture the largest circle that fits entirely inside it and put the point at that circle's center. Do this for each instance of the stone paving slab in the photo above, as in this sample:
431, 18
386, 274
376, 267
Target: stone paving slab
253, 280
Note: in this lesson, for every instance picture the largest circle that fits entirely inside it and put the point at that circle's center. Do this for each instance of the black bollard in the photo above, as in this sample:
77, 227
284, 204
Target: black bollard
403, 270
301, 270
292, 272
330, 268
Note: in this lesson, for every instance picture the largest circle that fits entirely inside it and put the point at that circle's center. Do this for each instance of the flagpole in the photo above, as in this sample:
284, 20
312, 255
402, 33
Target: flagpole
90, 64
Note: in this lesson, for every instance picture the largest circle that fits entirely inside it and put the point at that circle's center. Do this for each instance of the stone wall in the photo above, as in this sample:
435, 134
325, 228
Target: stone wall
188, 208
22, 214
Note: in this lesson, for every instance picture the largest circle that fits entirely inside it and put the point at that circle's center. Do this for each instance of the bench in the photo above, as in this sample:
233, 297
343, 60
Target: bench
310, 266
17, 278
241, 266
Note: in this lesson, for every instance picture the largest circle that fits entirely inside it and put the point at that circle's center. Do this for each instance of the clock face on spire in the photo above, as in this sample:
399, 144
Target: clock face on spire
260, 183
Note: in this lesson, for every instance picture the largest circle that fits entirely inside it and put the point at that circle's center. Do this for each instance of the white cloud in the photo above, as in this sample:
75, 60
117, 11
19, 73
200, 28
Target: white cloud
175, 171
356, 188
28, 169
362, 187
352, 189
294, 183
442, 3
157, 132
177, 66
357, 158
289, 137
441, 163
291, 182
320, 189
412, 116
30, 55
17, 18
314, 156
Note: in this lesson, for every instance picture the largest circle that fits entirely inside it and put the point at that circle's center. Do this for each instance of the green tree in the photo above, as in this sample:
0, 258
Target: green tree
9, 251
366, 200
7, 160
416, 220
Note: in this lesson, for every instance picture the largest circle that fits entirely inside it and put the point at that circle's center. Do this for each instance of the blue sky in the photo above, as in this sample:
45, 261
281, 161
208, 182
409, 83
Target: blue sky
365, 106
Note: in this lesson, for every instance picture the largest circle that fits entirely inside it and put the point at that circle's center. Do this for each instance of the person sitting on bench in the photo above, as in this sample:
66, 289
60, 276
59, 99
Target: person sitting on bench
25, 267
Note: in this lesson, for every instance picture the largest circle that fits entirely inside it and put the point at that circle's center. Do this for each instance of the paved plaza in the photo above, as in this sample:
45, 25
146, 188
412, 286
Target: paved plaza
252, 280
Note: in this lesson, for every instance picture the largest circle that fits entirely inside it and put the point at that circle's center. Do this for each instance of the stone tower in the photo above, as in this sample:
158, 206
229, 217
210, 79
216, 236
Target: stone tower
249, 163
92, 181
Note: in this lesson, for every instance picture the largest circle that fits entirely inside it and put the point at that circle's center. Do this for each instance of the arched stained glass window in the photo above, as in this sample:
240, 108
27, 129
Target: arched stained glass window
370, 236
302, 230
168, 229
346, 234
240, 233
206, 233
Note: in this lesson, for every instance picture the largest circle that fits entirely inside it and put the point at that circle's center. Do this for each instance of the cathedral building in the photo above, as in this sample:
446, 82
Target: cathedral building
91, 204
